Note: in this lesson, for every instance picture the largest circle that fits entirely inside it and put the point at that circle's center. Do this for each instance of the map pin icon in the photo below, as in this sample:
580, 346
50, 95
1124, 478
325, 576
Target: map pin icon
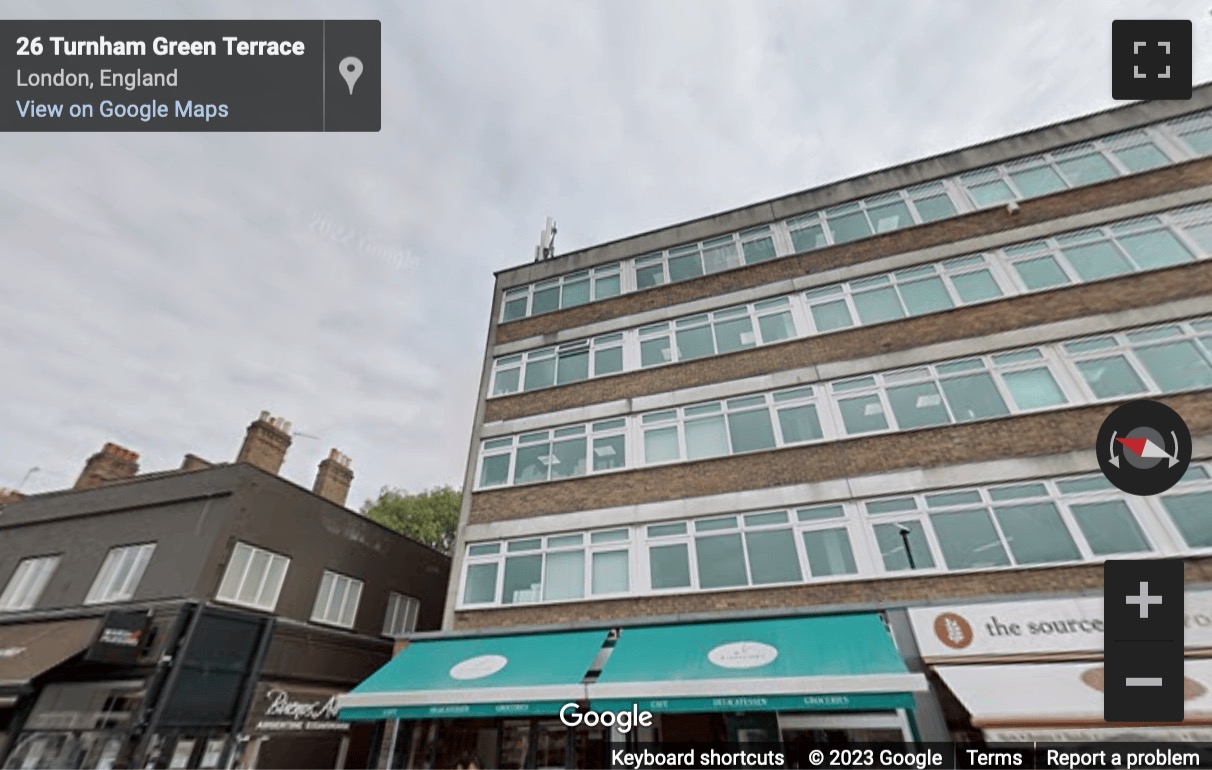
351, 70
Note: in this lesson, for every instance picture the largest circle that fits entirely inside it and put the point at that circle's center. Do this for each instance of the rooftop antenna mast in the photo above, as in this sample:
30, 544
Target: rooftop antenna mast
546, 247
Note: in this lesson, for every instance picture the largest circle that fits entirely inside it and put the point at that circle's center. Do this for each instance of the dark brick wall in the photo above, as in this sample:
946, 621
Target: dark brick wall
1144, 290
886, 592
1015, 436
1113, 192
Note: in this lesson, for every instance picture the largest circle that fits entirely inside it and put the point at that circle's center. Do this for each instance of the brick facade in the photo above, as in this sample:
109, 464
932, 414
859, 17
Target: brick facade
1183, 176
886, 592
1015, 436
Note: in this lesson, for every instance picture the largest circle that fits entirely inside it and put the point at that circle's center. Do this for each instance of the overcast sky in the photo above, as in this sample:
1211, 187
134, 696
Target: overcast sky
159, 291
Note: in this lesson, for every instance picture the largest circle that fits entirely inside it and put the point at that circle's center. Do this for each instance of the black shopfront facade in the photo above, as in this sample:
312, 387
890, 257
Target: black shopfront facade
181, 686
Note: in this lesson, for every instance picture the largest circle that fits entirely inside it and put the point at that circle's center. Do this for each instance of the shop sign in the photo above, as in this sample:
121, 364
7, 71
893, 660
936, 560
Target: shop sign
786, 703
121, 637
281, 710
742, 655
1043, 627
478, 667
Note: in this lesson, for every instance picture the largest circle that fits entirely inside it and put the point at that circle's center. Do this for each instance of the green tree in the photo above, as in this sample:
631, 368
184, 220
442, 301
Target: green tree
431, 517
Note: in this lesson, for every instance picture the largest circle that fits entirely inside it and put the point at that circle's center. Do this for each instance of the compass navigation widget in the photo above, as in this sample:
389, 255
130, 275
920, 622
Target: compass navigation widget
1144, 448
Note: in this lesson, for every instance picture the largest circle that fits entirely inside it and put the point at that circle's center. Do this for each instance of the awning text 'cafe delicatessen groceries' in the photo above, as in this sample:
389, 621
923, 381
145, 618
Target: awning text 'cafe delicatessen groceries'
1032, 671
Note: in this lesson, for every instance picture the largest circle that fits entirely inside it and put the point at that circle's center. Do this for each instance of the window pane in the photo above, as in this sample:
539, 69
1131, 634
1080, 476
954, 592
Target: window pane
655, 351
892, 546
917, 406
929, 296
751, 431
564, 576
1097, 260
669, 566
1037, 181
1142, 157
240, 556
974, 397
1190, 515
808, 238
772, 556
1087, 169
934, 209
1176, 366
831, 315
829, 552
610, 572
606, 286
607, 361
1156, 249
863, 414
721, 561
892, 216
649, 276
1111, 377
569, 458
481, 584
685, 267
1033, 389
968, 540
1036, 533
759, 251
976, 286
531, 464
494, 470
1109, 528
506, 381
849, 227
514, 309
719, 257
523, 575
777, 326
706, 438
575, 293
273, 582
257, 567
660, 445
800, 423
609, 452
1041, 273
540, 374
695, 343
1199, 140
573, 367
546, 300
734, 335
990, 193
878, 305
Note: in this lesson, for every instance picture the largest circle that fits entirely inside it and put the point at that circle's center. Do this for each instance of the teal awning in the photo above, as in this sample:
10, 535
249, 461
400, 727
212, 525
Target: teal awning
522, 675
835, 662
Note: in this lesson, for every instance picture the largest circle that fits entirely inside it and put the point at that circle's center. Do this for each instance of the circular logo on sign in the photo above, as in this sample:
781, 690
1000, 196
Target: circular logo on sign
1095, 679
478, 667
742, 655
953, 630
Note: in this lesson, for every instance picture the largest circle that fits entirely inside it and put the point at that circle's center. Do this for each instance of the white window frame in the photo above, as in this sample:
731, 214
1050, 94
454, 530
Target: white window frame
117, 581
1122, 344
253, 551
397, 625
323, 615
27, 583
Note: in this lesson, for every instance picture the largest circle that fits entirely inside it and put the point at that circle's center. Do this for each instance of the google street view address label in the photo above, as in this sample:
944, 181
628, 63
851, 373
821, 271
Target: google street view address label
190, 76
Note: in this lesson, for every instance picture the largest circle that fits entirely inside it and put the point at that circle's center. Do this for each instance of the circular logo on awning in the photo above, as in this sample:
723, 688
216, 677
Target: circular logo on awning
742, 655
1095, 679
478, 667
953, 630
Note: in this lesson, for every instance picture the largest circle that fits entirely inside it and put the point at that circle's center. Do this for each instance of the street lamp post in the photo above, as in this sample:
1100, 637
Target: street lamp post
905, 539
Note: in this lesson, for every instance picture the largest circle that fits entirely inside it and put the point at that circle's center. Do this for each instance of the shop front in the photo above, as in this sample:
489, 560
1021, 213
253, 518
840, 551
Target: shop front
514, 701
296, 727
1032, 670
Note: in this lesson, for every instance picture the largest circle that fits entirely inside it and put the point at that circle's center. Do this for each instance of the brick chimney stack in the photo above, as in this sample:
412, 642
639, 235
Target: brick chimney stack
9, 496
266, 443
334, 478
112, 463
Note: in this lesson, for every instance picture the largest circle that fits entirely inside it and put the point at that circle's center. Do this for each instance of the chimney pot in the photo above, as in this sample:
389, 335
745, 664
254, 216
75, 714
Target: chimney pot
112, 463
9, 496
265, 443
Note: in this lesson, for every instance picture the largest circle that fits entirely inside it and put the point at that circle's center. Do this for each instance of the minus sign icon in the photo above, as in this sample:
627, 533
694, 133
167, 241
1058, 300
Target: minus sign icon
1143, 681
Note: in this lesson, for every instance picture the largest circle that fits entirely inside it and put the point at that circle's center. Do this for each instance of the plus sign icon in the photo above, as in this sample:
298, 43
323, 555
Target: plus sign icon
1151, 59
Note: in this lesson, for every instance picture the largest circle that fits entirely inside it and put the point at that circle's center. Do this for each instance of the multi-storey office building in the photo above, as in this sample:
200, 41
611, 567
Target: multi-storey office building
775, 473
199, 617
